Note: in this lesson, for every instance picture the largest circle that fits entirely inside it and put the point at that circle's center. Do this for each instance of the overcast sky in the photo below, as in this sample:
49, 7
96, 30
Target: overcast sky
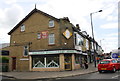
105, 23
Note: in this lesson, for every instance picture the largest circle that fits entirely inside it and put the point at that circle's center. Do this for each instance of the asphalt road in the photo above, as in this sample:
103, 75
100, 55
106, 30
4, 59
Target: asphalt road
86, 77
97, 75
107, 76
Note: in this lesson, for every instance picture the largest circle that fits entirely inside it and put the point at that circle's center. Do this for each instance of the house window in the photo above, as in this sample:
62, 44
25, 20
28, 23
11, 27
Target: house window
25, 51
22, 28
38, 35
51, 38
51, 23
78, 40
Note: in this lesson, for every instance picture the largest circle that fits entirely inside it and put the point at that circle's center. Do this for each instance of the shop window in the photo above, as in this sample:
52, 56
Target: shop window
77, 59
25, 51
52, 64
45, 61
51, 23
51, 38
39, 64
22, 27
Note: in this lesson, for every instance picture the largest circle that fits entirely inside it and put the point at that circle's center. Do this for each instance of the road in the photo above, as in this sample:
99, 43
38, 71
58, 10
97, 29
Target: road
86, 77
94, 76
97, 75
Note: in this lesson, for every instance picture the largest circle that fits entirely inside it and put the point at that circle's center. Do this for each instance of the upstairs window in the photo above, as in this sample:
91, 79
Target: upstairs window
22, 27
51, 23
51, 38
38, 35
25, 53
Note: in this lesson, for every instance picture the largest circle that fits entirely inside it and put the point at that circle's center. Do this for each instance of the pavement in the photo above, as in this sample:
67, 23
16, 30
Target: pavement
49, 75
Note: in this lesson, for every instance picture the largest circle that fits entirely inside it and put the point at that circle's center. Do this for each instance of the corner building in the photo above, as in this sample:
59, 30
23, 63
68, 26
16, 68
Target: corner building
41, 42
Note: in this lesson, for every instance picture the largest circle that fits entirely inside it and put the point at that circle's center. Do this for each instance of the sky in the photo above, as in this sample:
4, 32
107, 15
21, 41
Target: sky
105, 23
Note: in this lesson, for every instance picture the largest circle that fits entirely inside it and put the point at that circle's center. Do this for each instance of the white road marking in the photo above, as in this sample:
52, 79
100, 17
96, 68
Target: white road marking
115, 76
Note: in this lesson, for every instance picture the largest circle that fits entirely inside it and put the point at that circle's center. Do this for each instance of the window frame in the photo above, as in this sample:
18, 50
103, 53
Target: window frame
22, 28
51, 23
25, 49
46, 61
51, 37
39, 36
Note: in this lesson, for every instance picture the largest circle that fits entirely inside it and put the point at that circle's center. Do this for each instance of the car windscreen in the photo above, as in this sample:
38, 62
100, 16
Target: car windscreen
104, 62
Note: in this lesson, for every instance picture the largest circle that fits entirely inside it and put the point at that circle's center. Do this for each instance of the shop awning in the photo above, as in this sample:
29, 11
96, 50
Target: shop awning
54, 52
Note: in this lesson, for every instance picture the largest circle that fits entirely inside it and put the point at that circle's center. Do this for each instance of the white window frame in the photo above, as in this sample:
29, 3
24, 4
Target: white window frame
51, 37
45, 65
22, 28
79, 39
51, 23
38, 35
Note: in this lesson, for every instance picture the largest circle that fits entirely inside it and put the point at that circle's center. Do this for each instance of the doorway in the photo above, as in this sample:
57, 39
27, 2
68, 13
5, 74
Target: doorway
13, 63
68, 62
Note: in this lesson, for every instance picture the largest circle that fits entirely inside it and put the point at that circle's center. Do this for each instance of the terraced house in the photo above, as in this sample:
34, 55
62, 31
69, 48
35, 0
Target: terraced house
41, 42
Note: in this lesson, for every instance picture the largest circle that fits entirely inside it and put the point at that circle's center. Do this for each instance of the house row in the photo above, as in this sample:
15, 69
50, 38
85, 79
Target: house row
41, 42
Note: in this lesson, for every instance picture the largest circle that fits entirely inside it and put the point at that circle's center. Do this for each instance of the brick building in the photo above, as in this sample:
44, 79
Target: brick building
41, 42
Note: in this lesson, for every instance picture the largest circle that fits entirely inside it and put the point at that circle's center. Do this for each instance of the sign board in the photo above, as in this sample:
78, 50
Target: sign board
67, 34
54, 52
24, 59
115, 55
44, 34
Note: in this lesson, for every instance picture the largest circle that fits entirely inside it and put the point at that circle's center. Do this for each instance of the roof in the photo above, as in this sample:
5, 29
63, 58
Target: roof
75, 29
32, 12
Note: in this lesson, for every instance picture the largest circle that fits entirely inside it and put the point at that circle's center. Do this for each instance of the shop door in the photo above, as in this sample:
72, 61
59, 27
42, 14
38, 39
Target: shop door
13, 63
68, 62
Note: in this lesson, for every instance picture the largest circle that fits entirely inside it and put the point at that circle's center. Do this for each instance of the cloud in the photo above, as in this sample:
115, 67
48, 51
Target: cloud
78, 12
111, 18
109, 26
10, 16
10, 1
112, 34
4, 37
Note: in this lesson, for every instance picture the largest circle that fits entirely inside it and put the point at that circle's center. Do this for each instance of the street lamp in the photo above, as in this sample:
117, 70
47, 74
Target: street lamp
93, 35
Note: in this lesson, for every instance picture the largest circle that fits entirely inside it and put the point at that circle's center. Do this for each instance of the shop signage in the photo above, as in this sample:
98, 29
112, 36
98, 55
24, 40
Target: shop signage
44, 34
84, 53
115, 55
24, 59
53, 52
67, 34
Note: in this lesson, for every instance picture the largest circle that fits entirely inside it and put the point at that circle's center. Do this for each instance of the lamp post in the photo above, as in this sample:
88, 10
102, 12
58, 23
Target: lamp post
93, 36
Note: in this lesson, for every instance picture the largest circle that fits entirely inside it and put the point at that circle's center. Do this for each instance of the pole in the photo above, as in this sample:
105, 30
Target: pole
93, 40
93, 36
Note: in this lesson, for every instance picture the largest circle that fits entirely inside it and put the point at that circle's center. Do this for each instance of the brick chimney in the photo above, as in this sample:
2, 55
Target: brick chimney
78, 27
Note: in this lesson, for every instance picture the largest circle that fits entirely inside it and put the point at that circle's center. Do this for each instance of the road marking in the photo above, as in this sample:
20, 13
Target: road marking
116, 76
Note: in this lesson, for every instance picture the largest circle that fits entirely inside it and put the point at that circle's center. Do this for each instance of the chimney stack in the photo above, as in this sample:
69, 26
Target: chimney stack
78, 27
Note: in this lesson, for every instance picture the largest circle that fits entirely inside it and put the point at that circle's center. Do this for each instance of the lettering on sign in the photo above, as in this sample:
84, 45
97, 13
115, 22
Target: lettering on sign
44, 34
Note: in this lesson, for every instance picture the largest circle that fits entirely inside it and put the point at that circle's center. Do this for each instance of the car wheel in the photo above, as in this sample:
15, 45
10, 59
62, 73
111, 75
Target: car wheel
100, 71
114, 70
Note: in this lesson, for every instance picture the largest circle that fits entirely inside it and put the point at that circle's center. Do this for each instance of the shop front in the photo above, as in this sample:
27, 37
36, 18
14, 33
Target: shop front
55, 60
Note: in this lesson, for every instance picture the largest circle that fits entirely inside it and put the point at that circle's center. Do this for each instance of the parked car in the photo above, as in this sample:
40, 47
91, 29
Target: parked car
109, 65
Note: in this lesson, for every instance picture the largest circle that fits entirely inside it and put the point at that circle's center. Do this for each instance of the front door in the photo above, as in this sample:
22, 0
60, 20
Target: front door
68, 62
13, 63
